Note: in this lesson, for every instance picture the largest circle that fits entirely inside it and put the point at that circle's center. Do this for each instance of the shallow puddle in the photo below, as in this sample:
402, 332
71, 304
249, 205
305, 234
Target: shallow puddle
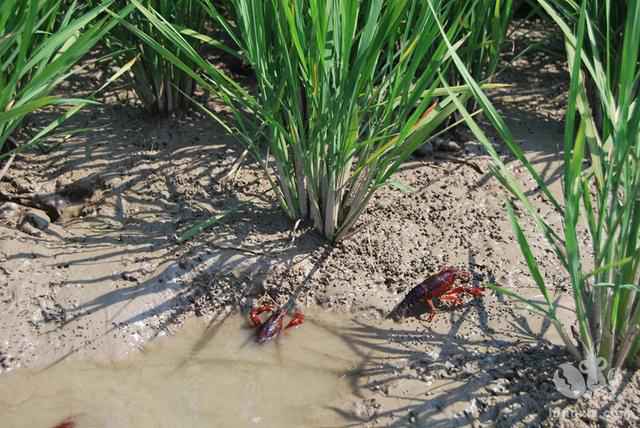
207, 375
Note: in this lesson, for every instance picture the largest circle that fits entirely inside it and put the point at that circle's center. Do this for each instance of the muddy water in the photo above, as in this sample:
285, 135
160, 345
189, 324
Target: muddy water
206, 375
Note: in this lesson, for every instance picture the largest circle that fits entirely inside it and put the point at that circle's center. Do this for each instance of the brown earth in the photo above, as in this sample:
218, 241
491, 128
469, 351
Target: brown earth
109, 275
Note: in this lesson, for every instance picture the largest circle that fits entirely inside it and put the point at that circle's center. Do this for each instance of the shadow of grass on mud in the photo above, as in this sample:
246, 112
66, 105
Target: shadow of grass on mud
169, 172
207, 284
167, 175
489, 380
158, 178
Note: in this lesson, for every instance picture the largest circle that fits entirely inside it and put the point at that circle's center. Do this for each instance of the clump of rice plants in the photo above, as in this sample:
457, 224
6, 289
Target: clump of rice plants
601, 183
346, 91
161, 86
40, 42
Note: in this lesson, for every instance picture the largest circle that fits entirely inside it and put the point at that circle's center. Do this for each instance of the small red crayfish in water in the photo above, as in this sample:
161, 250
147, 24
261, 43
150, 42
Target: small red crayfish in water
273, 325
438, 286
67, 423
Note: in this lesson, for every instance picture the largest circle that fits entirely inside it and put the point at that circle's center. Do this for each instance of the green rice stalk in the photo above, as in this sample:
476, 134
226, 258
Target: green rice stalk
601, 183
161, 87
346, 91
40, 42
485, 27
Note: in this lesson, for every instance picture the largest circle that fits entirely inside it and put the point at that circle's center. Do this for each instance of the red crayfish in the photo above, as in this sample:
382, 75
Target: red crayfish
273, 325
438, 286
67, 423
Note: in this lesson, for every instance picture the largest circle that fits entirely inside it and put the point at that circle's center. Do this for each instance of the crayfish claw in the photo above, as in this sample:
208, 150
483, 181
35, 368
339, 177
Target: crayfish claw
254, 314
298, 318
477, 291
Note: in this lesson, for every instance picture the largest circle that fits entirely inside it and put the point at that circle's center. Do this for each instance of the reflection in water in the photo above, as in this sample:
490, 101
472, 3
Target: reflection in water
193, 379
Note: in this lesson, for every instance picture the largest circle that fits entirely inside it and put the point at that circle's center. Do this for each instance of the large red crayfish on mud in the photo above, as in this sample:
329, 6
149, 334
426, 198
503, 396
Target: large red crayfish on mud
274, 325
439, 286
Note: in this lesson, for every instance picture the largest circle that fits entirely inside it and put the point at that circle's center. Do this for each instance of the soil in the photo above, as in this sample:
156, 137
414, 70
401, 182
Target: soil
226, 380
112, 273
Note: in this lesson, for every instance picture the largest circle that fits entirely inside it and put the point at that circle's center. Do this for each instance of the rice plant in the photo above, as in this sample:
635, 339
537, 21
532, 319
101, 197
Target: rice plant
606, 32
601, 190
161, 86
346, 91
40, 42
485, 25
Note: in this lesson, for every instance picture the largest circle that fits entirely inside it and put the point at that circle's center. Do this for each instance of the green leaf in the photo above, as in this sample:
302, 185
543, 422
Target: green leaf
201, 226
